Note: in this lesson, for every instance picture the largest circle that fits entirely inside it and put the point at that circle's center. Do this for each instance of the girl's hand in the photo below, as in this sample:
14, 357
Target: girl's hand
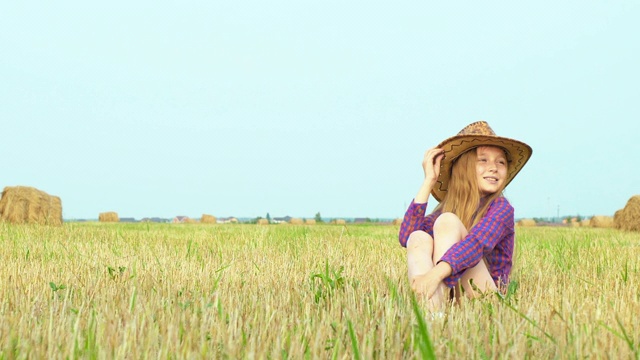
425, 284
431, 165
428, 283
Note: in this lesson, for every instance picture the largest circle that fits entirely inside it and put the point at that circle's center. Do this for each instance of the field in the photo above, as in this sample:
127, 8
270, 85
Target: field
91, 290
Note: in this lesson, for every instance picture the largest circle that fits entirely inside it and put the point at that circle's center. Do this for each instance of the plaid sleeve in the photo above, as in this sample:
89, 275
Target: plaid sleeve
482, 238
414, 219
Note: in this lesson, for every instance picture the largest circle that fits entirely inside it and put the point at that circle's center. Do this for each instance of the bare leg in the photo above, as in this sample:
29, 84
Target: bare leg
481, 278
420, 261
448, 230
419, 253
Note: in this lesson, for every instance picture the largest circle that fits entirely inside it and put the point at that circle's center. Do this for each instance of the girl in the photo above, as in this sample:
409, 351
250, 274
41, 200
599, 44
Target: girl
468, 239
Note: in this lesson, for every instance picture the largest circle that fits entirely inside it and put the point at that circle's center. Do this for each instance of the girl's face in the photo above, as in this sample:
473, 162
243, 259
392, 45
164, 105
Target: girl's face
491, 169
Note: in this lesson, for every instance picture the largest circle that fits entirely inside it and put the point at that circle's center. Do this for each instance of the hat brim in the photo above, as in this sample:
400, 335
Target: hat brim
518, 153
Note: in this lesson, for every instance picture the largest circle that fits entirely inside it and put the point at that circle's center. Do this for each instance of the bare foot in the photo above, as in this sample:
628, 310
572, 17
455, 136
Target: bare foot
438, 299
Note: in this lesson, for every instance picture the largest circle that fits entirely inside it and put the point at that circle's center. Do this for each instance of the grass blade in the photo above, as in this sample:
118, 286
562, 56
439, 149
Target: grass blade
354, 341
424, 341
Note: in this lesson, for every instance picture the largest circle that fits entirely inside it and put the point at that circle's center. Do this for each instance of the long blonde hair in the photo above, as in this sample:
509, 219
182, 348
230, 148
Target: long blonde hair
463, 195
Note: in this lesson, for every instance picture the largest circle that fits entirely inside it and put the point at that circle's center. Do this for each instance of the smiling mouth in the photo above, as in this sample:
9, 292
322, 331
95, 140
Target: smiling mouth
491, 179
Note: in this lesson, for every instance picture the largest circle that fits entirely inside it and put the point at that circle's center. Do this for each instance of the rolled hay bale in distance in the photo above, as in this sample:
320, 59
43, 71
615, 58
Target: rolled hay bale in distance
585, 222
310, 221
208, 219
628, 218
340, 222
396, 222
601, 221
109, 216
526, 222
28, 205
263, 222
617, 219
295, 221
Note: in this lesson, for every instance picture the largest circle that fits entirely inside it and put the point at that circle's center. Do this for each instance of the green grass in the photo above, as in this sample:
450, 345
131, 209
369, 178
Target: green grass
94, 290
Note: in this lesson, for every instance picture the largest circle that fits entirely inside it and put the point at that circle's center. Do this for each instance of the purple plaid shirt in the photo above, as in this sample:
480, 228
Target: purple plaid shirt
492, 238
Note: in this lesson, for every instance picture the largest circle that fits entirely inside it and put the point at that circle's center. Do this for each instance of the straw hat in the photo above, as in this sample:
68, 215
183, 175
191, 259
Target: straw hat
472, 136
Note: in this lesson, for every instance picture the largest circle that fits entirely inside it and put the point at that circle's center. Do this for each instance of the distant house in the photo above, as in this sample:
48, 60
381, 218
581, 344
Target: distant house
227, 220
180, 219
128, 220
361, 220
278, 220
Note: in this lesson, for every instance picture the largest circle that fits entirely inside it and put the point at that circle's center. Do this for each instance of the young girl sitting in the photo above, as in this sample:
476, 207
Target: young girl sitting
468, 239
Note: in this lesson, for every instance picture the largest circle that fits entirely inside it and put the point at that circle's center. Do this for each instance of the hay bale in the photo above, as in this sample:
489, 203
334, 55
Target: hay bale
340, 222
574, 222
310, 221
109, 216
585, 222
397, 222
296, 221
208, 219
526, 222
24, 204
628, 218
617, 219
263, 222
601, 222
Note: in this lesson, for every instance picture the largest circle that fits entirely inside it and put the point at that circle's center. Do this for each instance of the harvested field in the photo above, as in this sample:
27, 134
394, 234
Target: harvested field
89, 290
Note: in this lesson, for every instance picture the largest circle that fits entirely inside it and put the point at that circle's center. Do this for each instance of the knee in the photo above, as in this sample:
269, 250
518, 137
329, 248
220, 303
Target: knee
446, 221
418, 240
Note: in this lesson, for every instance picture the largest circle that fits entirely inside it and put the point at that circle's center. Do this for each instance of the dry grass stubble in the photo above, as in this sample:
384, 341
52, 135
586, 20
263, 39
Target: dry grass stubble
153, 290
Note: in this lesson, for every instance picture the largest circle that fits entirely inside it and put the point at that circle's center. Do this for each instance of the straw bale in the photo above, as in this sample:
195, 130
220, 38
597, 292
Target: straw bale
24, 204
340, 222
397, 222
601, 222
310, 221
263, 222
208, 219
109, 216
628, 218
526, 222
296, 221
617, 219
585, 222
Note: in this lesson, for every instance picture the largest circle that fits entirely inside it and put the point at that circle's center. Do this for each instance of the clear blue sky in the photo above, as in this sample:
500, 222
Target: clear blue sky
239, 108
